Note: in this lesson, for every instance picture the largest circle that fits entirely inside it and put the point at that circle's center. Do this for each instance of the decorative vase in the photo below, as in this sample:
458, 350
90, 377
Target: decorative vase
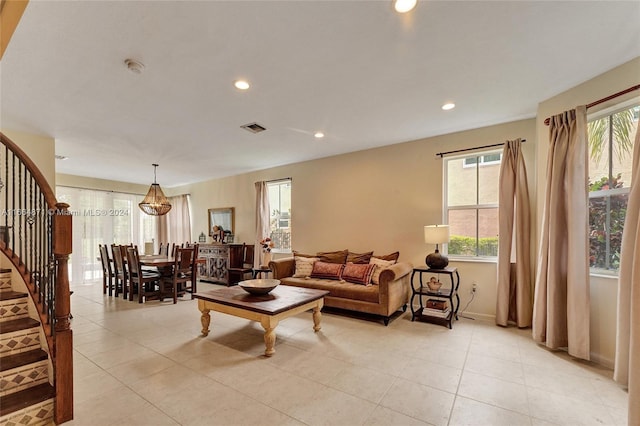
266, 258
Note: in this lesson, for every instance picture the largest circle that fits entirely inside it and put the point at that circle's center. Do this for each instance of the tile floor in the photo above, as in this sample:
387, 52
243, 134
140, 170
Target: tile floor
147, 365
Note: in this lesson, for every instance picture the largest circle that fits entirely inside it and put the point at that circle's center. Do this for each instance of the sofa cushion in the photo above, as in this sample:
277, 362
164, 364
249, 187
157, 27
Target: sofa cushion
338, 289
304, 266
391, 256
359, 257
339, 256
326, 270
380, 266
357, 273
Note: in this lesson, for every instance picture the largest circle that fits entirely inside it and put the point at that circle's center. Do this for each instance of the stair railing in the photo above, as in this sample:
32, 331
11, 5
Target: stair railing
35, 234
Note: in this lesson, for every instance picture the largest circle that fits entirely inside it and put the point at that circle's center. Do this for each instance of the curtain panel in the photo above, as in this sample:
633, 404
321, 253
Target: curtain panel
514, 300
562, 300
627, 364
175, 226
263, 228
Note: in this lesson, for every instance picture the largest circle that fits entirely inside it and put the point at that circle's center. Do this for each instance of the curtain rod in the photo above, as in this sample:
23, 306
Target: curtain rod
278, 180
442, 154
605, 99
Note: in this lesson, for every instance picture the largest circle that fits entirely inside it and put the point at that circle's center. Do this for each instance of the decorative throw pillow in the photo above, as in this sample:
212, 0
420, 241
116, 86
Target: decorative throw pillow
359, 257
339, 256
381, 264
328, 271
392, 256
304, 266
358, 273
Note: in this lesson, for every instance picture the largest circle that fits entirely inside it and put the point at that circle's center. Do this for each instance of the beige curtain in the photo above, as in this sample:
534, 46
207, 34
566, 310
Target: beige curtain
514, 302
561, 302
627, 367
175, 226
263, 228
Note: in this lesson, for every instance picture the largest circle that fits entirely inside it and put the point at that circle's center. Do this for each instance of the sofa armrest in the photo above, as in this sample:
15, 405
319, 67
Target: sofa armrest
394, 286
395, 272
282, 268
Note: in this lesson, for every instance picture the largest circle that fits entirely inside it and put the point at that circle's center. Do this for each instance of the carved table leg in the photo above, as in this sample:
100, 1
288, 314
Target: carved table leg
317, 316
269, 324
205, 319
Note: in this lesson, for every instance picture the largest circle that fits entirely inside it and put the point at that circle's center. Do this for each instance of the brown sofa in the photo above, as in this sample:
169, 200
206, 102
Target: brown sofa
383, 299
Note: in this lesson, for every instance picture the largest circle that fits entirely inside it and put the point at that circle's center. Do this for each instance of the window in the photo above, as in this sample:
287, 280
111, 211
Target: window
483, 160
471, 200
611, 136
101, 217
280, 218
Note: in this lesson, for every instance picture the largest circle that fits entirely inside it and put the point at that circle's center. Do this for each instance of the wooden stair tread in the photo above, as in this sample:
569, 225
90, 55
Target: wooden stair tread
18, 324
22, 358
8, 295
19, 400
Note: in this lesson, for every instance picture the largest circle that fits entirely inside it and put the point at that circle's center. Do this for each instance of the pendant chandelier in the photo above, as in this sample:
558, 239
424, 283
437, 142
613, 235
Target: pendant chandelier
155, 203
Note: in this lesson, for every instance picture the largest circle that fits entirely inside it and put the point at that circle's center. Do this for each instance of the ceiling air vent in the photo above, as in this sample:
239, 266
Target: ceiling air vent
254, 127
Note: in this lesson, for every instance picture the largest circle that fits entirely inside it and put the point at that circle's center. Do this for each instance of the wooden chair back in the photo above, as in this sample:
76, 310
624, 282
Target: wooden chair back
107, 272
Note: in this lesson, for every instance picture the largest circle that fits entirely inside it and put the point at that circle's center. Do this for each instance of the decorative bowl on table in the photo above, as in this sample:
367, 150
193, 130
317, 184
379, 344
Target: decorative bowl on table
259, 286
434, 285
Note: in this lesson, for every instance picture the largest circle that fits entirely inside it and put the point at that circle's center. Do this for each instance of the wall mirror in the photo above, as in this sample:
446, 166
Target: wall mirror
224, 219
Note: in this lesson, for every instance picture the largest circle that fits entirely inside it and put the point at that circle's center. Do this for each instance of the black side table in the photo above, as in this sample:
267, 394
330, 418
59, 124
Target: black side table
444, 293
258, 271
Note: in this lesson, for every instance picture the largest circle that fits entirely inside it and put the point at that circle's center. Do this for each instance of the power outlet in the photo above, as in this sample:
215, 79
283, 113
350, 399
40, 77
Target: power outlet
474, 287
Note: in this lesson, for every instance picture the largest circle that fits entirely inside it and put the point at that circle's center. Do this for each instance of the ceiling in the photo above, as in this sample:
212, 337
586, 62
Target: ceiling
355, 70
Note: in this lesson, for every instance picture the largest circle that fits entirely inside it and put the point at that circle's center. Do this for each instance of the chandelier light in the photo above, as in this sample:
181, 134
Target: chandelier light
155, 203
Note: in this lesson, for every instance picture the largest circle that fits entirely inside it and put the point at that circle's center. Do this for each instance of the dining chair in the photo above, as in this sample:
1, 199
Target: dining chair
107, 272
194, 277
183, 273
164, 249
242, 266
145, 281
120, 271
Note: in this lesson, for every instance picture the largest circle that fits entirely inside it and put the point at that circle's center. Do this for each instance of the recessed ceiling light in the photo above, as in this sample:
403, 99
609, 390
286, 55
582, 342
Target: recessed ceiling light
404, 6
448, 106
318, 135
241, 84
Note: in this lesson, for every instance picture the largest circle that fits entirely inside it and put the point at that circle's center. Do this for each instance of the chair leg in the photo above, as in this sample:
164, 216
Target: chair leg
140, 291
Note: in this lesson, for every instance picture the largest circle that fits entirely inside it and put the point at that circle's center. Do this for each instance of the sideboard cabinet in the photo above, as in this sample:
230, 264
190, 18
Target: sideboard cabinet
218, 259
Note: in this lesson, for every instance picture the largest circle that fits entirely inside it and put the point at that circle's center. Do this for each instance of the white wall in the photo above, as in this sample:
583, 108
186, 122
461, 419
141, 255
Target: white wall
41, 150
378, 199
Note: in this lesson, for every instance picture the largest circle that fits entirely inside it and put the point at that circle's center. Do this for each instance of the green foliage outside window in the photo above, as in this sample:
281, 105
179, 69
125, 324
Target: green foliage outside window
615, 206
466, 246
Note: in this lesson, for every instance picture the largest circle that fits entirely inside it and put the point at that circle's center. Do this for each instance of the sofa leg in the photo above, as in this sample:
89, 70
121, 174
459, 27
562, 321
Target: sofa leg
386, 321
404, 308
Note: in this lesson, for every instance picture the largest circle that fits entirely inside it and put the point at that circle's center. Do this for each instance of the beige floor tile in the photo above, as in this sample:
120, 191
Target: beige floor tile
577, 387
469, 412
142, 364
431, 374
365, 383
419, 401
332, 407
495, 367
563, 410
501, 393
383, 416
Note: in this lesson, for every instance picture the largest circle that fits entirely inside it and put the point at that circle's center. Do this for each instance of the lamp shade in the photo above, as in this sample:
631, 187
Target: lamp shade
436, 234
155, 203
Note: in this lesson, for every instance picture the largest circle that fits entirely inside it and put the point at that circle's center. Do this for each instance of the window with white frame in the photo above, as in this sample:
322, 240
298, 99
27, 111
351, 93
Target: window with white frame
611, 136
471, 203
280, 215
102, 217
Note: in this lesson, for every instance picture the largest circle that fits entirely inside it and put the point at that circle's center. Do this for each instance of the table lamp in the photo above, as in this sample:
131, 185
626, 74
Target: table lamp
436, 234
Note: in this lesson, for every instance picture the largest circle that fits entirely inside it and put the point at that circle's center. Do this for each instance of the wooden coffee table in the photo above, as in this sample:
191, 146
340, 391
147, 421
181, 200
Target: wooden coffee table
282, 302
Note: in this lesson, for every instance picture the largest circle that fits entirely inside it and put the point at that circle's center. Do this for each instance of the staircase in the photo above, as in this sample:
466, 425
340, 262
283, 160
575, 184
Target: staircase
36, 340
26, 395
